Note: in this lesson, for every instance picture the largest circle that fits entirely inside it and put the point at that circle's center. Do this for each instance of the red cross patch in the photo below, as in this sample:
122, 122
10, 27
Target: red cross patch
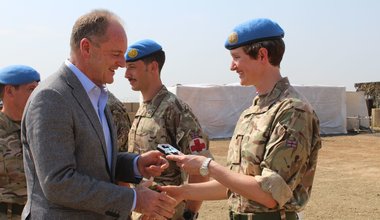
197, 145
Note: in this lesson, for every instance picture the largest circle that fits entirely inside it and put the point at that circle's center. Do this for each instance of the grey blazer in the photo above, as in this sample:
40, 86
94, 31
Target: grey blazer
65, 156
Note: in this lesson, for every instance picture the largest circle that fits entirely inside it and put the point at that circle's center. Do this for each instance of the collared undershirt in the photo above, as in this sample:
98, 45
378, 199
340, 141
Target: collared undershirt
99, 96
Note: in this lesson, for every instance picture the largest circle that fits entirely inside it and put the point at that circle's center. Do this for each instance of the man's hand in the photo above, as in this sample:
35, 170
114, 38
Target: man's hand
152, 164
190, 163
154, 205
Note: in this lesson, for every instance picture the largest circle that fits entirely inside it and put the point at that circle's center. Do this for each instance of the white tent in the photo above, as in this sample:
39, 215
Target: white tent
329, 102
218, 107
357, 112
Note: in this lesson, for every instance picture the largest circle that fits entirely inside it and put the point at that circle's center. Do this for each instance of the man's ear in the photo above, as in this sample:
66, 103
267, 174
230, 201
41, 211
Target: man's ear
85, 46
154, 66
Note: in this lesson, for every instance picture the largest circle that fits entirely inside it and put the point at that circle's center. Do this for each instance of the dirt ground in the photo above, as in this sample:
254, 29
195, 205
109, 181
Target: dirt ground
346, 185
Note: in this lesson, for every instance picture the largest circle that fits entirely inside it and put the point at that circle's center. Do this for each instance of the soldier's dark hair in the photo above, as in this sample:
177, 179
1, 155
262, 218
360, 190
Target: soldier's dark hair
92, 26
275, 48
158, 56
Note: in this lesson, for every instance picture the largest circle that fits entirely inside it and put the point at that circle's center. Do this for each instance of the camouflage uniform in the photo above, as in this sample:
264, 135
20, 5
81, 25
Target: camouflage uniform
276, 140
121, 120
167, 120
12, 176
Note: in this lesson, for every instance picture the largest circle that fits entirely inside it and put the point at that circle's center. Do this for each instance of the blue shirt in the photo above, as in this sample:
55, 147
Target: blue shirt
98, 97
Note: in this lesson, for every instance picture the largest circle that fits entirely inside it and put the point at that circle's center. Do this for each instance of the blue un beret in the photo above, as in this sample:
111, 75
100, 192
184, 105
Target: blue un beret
252, 31
18, 75
141, 49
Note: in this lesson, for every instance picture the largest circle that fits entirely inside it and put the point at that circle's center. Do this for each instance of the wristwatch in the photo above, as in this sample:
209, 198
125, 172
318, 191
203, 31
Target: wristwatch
190, 215
203, 170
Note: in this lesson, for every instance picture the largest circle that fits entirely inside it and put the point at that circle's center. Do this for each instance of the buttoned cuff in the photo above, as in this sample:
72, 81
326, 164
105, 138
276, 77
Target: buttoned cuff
274, 184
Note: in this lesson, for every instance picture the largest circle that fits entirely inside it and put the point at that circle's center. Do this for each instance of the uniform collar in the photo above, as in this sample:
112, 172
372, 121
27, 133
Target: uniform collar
262, 103
149, 107
8, 124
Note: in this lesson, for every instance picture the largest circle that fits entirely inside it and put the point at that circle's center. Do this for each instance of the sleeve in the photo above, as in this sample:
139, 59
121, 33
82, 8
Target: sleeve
287, 153
189, 135
12, 176
125, 168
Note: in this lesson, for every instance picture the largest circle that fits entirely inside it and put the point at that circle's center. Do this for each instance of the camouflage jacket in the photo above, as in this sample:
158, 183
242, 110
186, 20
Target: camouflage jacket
12, 176
167, 120
121, 121
276, 140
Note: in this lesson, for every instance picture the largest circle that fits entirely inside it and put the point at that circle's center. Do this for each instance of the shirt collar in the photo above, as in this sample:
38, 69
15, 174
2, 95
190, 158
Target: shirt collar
98, 95
85, 81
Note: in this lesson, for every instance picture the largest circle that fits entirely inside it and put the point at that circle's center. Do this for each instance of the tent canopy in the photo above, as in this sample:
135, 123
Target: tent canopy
218, 107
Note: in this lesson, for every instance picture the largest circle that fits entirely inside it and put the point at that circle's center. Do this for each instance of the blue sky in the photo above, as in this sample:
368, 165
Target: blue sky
328, 42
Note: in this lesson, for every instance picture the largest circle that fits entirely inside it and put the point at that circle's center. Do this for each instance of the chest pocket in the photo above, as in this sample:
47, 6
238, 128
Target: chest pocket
249, 145
145, 134
253, 150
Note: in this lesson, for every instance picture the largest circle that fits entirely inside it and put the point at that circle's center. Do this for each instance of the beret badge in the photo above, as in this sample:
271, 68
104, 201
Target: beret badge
133, 53
233, 38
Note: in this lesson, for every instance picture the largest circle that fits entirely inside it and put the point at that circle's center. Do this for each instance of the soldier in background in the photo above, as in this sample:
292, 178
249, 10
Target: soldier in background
273, 152
16, 84
121, 120
162, 118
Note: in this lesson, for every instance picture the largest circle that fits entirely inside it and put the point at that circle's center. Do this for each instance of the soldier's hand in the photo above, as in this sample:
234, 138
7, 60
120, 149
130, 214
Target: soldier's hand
190, 163
176, 192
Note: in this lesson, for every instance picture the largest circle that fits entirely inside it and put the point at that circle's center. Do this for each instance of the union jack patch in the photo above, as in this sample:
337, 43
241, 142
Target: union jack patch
291, 143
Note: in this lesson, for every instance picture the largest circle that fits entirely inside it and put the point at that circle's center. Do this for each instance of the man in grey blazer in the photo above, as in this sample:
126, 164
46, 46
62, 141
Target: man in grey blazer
69, 140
